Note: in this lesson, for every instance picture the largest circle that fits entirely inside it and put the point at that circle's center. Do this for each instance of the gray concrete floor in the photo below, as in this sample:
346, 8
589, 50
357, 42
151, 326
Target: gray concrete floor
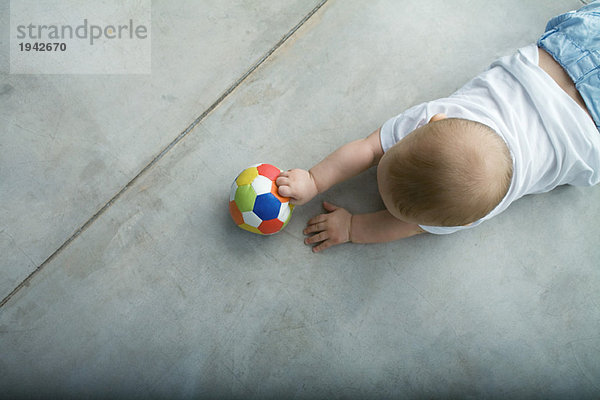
123, 276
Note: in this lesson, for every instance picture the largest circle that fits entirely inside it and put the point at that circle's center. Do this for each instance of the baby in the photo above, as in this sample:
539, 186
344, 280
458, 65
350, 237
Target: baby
526, 125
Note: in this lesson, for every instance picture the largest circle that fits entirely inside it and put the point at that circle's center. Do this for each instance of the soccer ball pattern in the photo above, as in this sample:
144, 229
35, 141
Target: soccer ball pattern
254, 203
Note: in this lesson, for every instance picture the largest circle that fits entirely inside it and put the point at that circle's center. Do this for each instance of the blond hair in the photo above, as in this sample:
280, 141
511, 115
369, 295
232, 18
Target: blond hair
449, 173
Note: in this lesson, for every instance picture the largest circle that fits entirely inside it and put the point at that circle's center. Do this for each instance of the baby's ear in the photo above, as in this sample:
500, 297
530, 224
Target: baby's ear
438, 117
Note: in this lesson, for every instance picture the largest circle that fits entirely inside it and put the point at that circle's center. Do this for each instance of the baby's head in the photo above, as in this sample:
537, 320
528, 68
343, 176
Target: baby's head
449, 172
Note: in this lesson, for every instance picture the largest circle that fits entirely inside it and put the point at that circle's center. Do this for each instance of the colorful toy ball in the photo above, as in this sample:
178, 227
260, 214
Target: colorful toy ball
254, 203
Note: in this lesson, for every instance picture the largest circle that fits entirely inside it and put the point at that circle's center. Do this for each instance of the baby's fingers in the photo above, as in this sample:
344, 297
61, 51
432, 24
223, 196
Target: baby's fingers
285, 191
318, 227
317, 219
282, 180
319, 237
325, 245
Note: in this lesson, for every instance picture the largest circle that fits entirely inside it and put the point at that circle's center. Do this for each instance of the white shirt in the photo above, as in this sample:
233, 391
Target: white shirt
551, 139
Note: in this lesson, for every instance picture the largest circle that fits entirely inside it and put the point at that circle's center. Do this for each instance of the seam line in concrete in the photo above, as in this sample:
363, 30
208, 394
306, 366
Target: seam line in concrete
160, 155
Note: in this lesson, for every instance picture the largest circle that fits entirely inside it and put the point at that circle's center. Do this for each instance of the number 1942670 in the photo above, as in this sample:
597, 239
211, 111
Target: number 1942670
40, 46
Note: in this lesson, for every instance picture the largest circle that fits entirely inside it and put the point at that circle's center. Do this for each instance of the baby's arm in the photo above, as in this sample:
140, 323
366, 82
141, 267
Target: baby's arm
381, 227
347, 161
339, 226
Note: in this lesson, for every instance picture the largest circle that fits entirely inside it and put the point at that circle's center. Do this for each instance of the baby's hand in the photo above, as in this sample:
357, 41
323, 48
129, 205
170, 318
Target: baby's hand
297, 184
329, 229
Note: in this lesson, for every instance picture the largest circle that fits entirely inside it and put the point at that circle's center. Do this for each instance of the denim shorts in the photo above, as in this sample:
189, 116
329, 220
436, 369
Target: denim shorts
573, 39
